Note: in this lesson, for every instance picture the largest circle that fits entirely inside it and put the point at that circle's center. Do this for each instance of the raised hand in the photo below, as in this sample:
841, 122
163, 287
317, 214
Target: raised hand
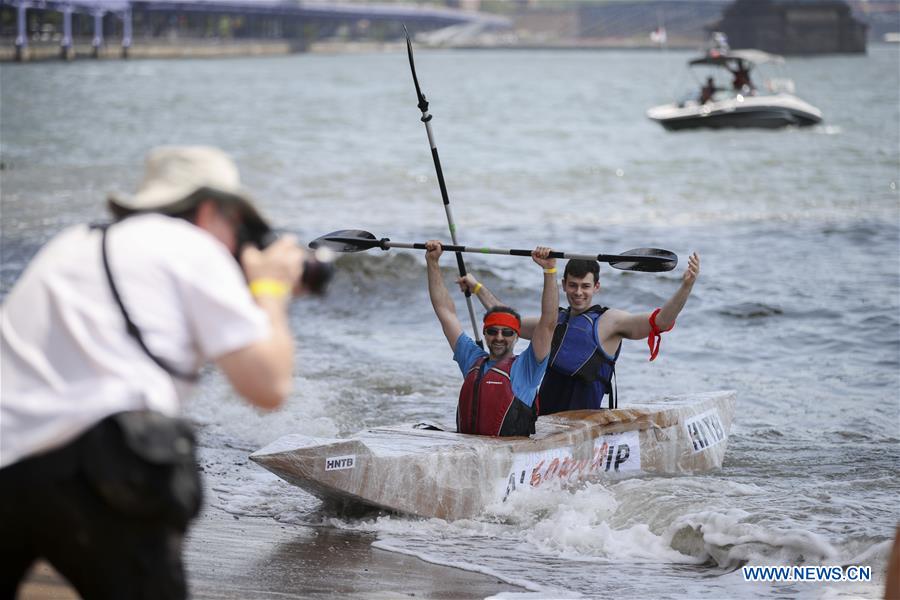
467, 283
433, 251
540, 255
693, 269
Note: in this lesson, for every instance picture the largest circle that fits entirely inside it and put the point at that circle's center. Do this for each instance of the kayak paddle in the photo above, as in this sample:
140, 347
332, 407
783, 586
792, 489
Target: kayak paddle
426, 119
651, 260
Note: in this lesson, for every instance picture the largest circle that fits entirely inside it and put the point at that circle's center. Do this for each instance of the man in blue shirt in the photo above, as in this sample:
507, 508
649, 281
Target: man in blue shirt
498, 395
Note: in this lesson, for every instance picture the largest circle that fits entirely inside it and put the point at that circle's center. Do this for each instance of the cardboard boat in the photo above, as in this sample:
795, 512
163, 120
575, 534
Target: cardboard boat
424, 470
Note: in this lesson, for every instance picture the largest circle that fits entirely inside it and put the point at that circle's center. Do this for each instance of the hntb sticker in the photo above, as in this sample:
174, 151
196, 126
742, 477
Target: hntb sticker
705, 430
339, 463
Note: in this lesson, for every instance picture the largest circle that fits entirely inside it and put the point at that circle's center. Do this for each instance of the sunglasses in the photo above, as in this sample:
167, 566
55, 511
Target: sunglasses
497, 331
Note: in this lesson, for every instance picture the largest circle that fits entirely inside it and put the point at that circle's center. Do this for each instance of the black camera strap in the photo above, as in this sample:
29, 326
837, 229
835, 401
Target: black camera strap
132, 329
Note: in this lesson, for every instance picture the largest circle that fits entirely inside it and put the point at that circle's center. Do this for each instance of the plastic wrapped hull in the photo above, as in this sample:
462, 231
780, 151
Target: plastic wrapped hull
434, 473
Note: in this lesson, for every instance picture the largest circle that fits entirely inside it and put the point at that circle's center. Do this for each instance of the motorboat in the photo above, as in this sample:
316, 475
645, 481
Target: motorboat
427, 470
739, 102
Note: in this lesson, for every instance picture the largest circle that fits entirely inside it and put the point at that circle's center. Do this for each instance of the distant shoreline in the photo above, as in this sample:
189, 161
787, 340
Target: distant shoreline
51, 51
44, 51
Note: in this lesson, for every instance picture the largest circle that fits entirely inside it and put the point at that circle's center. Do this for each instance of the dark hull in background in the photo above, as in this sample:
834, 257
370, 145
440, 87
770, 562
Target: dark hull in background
757, 118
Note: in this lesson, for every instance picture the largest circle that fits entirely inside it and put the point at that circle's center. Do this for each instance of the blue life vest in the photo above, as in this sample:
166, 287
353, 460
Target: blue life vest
580, 373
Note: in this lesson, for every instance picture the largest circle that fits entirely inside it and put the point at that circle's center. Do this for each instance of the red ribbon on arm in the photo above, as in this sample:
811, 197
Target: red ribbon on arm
654, 340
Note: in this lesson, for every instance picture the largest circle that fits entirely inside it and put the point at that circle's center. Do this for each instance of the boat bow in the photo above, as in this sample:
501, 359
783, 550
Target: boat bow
435, 473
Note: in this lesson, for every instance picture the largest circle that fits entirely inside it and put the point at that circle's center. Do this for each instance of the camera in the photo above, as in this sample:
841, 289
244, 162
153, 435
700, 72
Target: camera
318, 266
318, 269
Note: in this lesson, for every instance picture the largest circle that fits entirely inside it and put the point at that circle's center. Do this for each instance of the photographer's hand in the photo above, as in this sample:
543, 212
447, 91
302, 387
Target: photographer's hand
276, 271
263, 371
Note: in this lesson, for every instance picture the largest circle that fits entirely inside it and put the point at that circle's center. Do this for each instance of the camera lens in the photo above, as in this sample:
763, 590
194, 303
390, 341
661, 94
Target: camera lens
318, 269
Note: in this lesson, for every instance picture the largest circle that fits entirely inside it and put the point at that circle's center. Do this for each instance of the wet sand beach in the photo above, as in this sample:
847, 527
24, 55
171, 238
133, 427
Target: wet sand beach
252, 557
248, 557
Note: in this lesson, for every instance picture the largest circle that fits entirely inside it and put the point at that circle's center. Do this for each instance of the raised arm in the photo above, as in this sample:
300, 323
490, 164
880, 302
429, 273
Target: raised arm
440, 297
542, 335
489, 300
637, 326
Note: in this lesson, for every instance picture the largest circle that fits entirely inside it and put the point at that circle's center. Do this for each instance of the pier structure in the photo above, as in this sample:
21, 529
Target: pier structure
793, 26
49, 28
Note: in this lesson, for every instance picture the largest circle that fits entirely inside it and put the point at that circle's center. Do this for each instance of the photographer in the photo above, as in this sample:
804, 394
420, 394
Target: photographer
102, 339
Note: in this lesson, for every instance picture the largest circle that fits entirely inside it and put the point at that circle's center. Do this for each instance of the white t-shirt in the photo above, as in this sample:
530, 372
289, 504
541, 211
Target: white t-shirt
66, 360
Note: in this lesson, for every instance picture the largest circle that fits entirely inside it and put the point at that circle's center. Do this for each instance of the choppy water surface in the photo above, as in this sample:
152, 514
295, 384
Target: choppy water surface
796, 308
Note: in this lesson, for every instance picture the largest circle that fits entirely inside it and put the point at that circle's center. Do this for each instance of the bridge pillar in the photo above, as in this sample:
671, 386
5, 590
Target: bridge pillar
98, 33
21, 31
126, 31
66, 51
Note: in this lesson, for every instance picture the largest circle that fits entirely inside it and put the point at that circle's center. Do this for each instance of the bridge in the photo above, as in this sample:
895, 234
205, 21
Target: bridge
298, 22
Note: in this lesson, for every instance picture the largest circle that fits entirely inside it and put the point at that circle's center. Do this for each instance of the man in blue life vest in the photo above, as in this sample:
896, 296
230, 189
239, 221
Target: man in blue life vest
588, 337
498, 395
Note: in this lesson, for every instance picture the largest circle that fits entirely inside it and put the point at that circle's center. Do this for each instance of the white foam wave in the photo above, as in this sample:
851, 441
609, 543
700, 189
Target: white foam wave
557, 595
728, 538
222, 412
578, 525
875, 553
241, 488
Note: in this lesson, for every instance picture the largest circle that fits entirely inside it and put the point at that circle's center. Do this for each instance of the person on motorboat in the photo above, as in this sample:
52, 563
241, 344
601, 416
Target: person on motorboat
708, 91
499, 391
588, 337
741, 83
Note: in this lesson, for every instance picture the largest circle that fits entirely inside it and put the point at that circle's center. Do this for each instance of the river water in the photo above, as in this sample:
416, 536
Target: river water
797, 306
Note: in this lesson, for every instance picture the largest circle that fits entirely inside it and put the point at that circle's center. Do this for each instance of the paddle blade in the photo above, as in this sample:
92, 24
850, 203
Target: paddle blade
648, 260
346, 240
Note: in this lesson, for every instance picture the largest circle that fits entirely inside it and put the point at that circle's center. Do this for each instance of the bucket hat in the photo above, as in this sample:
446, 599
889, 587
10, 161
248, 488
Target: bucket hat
177, 178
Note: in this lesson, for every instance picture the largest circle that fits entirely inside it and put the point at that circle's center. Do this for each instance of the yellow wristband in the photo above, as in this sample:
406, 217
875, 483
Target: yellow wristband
269, 287
550, 270
477, 287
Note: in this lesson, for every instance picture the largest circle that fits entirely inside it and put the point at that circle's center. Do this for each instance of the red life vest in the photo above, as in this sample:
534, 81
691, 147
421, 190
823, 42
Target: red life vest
487, 405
